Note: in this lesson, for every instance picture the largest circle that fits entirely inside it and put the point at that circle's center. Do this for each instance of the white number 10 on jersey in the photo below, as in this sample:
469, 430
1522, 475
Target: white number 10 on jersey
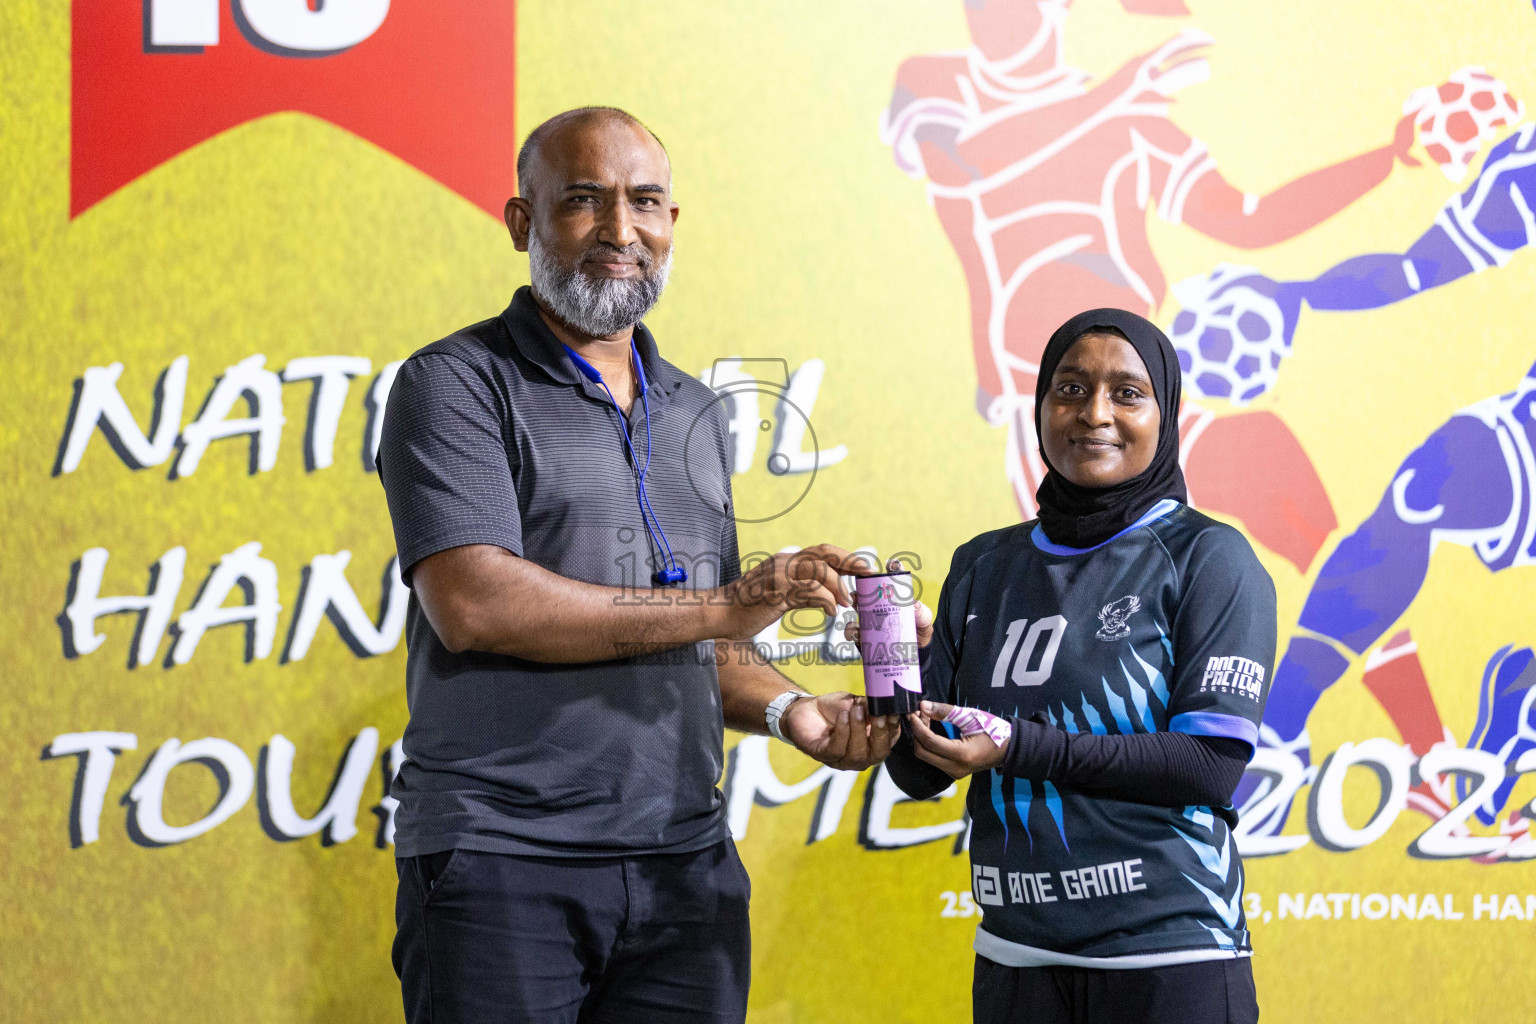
1022, 674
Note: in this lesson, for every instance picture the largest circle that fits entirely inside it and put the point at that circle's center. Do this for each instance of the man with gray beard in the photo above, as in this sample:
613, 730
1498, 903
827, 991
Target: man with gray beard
561, 501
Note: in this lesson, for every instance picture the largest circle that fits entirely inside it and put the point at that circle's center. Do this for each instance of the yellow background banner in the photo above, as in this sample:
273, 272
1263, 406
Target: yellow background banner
289, 238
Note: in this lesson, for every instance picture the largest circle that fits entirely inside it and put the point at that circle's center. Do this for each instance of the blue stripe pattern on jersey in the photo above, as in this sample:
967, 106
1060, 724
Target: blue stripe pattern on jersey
1053, 804
998, 805
1023, 796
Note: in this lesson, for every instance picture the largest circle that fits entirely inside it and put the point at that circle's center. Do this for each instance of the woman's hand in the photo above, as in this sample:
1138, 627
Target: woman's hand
982, 745
920, 611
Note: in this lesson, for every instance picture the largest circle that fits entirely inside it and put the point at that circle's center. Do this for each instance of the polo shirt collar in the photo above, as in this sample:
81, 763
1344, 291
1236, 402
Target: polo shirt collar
539, 345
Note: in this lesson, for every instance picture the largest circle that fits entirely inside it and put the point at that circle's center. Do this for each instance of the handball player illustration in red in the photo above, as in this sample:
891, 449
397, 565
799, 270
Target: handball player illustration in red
1043, 180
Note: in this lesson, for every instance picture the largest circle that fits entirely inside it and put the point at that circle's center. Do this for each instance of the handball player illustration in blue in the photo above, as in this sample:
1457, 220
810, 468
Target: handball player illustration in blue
1100, 673
1469, 483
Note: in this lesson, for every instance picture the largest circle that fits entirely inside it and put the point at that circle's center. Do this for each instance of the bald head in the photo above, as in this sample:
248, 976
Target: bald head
594, 213
558, 133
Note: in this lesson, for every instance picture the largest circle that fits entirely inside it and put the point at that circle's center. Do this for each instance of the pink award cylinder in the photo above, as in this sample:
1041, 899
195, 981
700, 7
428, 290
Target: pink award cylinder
888, 642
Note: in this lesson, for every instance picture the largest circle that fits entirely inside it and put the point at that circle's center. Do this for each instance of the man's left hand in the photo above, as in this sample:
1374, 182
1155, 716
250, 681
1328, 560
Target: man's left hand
837, 730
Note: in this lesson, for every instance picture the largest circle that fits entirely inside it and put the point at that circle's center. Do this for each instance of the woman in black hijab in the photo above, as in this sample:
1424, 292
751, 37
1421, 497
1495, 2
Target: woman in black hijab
1082, 516
1099, 675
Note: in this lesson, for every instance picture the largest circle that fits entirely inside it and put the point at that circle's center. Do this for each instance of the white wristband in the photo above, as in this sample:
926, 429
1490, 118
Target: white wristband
776, 709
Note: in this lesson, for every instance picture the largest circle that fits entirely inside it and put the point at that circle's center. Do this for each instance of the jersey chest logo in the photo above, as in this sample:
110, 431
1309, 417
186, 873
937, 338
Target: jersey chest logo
1114, 616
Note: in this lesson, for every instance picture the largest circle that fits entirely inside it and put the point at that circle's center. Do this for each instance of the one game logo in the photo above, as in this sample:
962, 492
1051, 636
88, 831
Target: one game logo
1233, 675
1114, 616
429, 83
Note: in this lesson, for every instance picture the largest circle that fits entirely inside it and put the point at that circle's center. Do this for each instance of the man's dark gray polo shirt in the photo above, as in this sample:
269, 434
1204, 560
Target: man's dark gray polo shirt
491, 436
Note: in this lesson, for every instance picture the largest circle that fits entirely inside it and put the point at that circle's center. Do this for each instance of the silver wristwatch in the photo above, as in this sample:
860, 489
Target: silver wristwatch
776, 709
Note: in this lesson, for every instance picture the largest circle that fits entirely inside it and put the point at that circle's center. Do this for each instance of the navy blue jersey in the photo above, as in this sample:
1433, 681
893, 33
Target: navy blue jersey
1168, 626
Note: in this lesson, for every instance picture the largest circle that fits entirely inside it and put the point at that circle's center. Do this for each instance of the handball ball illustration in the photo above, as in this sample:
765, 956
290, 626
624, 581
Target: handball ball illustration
1230, 337
1456, 118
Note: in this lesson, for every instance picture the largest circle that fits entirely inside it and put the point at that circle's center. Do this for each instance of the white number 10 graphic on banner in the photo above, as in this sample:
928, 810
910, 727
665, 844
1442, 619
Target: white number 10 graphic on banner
287, 24
1023, 675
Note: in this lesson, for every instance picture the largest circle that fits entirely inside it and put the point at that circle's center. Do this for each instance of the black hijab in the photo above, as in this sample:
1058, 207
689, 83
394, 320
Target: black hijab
1081, 517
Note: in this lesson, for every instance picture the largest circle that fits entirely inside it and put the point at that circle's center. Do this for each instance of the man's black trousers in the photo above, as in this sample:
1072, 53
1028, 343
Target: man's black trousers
486, 937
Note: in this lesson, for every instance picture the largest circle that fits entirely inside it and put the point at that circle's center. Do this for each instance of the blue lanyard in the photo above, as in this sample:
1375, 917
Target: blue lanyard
671, 572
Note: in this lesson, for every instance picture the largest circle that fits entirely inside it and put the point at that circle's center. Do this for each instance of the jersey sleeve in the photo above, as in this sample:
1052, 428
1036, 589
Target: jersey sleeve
443, 462
1223, 640
942, 654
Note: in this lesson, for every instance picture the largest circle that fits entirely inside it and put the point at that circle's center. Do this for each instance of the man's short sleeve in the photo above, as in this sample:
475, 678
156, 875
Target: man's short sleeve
730, 549
1223, 640
443, 461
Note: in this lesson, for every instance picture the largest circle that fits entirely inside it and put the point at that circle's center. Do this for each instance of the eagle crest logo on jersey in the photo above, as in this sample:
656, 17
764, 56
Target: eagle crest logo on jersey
1114, 616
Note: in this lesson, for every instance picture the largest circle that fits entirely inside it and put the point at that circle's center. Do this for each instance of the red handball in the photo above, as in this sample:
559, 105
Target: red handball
1458, 116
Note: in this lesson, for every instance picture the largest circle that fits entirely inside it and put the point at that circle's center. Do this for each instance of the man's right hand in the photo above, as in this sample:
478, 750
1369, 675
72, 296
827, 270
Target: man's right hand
807, 578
